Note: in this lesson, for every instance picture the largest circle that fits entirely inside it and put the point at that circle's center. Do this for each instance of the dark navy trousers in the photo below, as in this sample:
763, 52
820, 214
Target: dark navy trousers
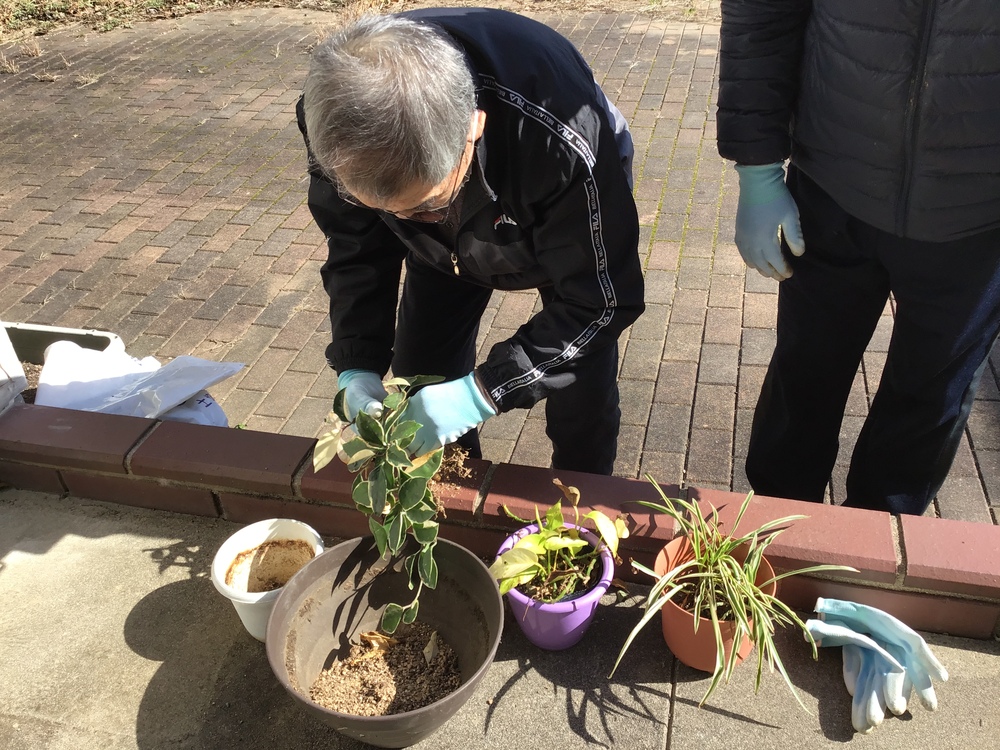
436, 329
947, 317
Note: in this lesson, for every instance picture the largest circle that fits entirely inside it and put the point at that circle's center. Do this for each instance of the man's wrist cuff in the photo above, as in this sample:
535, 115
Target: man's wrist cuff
483, 403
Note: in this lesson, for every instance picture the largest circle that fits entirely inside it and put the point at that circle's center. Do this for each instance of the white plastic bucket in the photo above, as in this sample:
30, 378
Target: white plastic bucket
255, 608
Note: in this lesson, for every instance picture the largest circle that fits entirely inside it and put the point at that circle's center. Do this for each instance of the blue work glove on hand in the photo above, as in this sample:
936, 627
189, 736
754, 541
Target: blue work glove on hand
764, 207
872, 675
920, 666
446, 411
364, 392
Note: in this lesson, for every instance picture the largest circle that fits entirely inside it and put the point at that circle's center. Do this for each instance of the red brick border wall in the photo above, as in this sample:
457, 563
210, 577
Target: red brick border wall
937, 575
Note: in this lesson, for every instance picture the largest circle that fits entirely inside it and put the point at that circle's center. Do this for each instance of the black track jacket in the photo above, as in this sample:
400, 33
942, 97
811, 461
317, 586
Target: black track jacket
548, 205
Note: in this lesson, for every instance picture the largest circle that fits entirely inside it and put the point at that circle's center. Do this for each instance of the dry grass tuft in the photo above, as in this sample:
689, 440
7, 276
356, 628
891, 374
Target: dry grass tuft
86, 79
7, 65
31, 48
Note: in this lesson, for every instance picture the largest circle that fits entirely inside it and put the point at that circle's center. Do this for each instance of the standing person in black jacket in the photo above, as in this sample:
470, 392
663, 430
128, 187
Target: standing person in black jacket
890, 114
474, 147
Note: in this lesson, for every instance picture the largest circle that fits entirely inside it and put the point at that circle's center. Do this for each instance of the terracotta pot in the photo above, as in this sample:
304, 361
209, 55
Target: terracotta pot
698, 649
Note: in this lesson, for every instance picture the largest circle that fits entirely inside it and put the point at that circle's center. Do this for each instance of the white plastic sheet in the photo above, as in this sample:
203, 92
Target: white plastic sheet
112, 382
12, 380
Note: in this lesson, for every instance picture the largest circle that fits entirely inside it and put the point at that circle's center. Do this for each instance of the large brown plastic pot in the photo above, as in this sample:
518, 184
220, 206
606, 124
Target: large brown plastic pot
342, 593
698, 649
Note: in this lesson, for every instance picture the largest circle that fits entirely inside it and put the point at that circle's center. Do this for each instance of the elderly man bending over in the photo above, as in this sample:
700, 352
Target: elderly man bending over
475, 147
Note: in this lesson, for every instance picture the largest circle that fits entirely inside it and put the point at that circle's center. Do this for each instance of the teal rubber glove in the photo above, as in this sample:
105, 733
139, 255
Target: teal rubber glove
871, 674
902, 642
364, 392
446, 411
765, 206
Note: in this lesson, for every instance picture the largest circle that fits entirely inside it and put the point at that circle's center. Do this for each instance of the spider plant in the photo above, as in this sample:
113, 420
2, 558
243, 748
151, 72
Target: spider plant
718, 581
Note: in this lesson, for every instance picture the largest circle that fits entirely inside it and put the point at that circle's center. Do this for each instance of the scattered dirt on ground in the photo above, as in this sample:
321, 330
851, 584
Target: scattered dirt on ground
268, 566
452, 470
384, 676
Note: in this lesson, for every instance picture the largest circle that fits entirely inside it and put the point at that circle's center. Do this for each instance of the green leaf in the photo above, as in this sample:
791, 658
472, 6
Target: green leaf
369, 428
397, 382
556, 543
652, 609
423, 380
514, 563
326, 448
380, 533
534, 542
355, 466
512, 583
397, 533
411, 492
410, 613
554, 516
428, 567
427, 465
397, 457
403, 430
340, 405
390, 618
419, 515
410, 563
377, 490
393, 400
360, 495
353, 447
426, 531
606, 528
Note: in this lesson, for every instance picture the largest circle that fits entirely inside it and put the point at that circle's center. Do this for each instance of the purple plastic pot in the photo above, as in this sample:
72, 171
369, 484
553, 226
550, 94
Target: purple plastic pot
558, 625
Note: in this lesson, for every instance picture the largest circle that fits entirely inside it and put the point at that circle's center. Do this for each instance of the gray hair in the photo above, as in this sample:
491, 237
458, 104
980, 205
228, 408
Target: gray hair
388, 103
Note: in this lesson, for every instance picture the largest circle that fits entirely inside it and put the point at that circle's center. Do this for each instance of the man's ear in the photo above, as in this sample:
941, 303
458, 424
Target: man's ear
480, 125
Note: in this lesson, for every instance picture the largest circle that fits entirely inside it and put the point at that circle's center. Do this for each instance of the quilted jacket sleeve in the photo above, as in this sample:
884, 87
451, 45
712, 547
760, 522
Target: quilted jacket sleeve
761, 49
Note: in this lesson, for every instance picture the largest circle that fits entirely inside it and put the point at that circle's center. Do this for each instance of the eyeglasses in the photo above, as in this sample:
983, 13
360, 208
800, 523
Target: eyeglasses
425, 214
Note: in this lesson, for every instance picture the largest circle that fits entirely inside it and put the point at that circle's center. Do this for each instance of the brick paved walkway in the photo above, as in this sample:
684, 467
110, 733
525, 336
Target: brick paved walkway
153, 185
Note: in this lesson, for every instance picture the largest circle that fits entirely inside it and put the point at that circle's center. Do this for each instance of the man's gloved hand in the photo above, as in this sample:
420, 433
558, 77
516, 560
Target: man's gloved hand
902, 642
446, 411
364, 392
871, 674
764, 207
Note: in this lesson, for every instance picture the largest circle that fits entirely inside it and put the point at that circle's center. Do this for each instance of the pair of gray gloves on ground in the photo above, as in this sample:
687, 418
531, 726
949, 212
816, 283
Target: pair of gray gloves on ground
884, 660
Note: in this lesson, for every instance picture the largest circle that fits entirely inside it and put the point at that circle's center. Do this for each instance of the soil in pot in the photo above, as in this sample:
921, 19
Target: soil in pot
268, 566
31, 374
560, 588
386, 675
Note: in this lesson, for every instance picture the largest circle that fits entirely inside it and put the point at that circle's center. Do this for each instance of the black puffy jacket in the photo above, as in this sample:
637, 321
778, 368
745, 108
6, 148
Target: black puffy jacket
548, 205
891, 106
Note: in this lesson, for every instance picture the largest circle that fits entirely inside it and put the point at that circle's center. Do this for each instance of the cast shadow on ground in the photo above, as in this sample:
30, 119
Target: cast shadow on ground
640, 691
214, 687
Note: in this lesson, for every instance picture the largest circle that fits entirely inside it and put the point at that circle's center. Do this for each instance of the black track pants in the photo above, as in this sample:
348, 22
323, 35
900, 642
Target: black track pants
947, 317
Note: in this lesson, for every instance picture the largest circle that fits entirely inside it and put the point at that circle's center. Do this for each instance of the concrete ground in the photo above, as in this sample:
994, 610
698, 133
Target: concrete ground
153, 186
113, 637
